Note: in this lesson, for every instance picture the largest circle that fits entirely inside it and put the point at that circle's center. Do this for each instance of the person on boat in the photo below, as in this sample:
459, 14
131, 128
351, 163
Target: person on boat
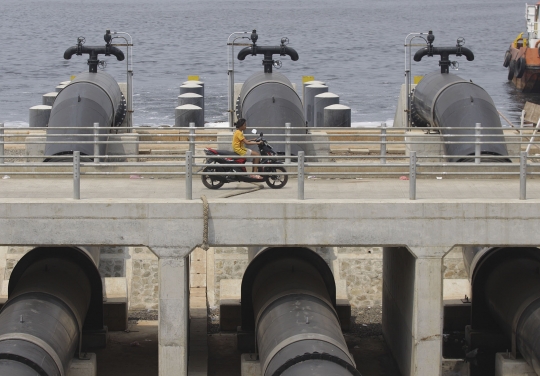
239, 141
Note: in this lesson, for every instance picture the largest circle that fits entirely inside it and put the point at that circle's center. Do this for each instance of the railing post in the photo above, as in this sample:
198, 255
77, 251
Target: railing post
96, 143
522, 122
77, 175
1, 142
523, 175
412, 176
383, 143
189, 171
300, 175
477, 145
192, 138
287, 143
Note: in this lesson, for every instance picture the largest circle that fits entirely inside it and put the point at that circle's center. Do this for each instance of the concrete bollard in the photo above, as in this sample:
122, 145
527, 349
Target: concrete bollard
188, 113
49, 98
311, 92
337, 115
200, 83
308, 83
39, 116
322, 101
59, 88
191, 98
192, 87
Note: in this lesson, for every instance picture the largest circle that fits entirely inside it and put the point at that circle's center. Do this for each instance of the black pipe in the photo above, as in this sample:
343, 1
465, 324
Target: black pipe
54, 293
288, 300
505, 292
446, 101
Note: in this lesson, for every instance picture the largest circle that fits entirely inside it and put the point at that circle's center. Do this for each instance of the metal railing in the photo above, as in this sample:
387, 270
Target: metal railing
335, 153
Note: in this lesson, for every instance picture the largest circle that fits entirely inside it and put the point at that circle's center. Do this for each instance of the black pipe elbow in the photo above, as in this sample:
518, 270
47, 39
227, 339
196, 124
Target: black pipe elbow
244, 52
291, 52
70, 52
115, 51
421, 53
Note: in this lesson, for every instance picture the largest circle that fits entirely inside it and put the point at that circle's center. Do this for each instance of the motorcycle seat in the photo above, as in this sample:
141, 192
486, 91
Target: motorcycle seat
225, 152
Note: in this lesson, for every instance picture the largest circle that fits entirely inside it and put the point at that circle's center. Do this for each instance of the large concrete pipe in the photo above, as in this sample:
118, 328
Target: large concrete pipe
446, 100
92, 97
289, 300
269, 100
505, 292
54, 294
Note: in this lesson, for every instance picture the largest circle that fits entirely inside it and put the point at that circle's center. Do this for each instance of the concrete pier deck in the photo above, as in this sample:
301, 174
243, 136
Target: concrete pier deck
317, 188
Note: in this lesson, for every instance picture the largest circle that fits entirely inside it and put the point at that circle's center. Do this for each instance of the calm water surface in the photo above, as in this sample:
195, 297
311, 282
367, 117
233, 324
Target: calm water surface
355, 46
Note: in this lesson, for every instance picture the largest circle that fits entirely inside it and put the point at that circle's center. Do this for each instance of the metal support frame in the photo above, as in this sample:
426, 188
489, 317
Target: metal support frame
129, 74
300, 175
76, 175
412, 176
189, 175
230, 70
408, 44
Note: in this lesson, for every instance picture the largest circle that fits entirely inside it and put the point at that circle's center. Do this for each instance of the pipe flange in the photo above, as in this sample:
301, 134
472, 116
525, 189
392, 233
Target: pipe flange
319, 356
38, 342
303, 337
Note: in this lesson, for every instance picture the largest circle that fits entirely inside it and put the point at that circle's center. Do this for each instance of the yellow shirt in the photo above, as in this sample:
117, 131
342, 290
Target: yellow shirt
238, 142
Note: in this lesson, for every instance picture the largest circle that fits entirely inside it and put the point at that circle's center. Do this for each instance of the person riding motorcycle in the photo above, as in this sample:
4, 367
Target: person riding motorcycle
239, 141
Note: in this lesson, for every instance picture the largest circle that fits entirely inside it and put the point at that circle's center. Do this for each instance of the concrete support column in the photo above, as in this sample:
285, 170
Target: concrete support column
173, 315
413, 308
427, 317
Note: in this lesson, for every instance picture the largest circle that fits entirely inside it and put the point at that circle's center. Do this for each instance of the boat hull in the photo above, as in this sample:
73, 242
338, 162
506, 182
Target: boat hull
529, 82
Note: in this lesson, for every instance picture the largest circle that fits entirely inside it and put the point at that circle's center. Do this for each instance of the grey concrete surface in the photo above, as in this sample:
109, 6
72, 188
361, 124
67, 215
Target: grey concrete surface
145, 186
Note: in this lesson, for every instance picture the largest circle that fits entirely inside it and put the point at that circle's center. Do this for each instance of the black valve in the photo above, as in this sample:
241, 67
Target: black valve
444, 52
94, 51
268, 52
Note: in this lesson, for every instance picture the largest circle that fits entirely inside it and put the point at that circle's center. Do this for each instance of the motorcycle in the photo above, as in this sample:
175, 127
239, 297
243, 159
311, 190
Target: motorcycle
234, 164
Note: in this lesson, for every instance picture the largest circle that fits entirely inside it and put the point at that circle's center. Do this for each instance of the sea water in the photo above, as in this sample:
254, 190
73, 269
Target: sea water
355, 46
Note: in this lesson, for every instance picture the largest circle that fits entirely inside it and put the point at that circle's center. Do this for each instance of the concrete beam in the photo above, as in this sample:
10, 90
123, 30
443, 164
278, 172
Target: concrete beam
163, 225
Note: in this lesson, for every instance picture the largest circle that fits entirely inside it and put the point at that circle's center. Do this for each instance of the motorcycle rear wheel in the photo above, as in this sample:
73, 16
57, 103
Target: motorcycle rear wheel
212, 181
276, 181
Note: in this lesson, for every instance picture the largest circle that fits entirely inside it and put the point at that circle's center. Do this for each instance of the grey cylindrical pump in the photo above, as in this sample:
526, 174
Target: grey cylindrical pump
92, 97
445, 100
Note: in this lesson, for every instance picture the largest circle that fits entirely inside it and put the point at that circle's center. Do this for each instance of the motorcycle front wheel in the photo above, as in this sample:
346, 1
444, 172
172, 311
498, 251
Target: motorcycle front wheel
212, 181
278, 180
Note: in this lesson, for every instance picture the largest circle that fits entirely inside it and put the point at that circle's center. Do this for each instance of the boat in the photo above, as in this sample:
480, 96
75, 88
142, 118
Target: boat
523, 56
